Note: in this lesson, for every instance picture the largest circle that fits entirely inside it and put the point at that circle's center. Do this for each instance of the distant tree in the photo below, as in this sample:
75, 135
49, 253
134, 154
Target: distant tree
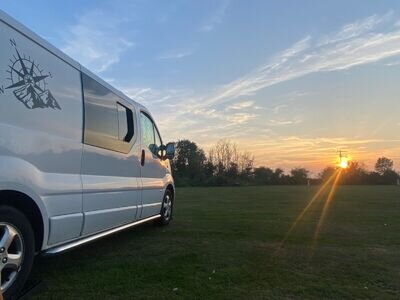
390, 177
209, 169
226, 165
230, 165
188, 163
223, 154
354, 174
299, 175
233, 171
326, 173
263, 175
246, 165
374, 178
278, 176
383, 165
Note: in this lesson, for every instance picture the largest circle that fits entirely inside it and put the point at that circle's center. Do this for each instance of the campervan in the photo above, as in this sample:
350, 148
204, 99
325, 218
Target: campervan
79, 160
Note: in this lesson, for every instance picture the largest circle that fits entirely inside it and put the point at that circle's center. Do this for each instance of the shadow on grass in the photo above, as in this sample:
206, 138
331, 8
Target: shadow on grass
115, 245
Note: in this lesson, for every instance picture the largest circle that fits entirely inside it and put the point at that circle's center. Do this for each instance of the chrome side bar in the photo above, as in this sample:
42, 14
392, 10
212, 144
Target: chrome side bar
77, 243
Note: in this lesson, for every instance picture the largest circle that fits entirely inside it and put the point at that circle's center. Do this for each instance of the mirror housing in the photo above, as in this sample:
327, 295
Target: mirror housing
169, 151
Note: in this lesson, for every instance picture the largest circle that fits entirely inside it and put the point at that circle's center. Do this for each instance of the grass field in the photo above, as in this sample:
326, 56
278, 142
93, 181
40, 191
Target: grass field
223, 244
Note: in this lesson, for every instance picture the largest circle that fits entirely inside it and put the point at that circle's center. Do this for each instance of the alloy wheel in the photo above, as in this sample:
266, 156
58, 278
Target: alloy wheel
167, 207
11, 254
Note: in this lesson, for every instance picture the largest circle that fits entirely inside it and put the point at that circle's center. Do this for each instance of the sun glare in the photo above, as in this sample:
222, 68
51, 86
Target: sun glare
344, 163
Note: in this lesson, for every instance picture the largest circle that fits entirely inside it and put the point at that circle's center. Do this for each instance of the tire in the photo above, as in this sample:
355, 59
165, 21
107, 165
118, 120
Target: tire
167, 209
17, 251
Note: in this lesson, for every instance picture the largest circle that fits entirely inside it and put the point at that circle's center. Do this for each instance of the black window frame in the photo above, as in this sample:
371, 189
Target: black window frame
130, 121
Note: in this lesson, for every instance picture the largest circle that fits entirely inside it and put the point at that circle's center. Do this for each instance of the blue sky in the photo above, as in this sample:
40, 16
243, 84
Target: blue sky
289, 81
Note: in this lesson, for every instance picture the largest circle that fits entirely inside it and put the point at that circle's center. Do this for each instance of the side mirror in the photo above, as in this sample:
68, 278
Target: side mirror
169, 151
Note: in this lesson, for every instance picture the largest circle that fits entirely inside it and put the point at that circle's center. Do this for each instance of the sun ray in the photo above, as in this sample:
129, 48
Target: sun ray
326, 208
303, 212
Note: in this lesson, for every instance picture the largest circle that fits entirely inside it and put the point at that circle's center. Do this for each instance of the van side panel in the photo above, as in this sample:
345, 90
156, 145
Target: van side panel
41, 120
110, 188
110, 165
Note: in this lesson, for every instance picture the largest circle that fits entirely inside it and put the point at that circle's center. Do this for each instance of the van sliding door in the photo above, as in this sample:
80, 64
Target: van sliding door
110, 164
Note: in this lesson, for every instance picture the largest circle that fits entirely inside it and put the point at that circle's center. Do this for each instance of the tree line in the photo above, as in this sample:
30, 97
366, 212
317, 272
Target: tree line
225, 165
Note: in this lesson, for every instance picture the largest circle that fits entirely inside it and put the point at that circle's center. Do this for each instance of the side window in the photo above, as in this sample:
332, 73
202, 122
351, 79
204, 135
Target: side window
158, 141
147, 132
101, 117
108, 124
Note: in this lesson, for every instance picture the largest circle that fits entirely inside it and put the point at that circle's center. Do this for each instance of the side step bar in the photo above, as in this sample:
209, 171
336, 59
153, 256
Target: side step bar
77, 243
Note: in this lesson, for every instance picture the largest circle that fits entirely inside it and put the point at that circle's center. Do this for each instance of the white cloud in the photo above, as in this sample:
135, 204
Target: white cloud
202, 117
216, 17
177, 54
241, 105
240, 118
357, 28
278, 108
285, 122
358, 43
95, 40
153, 97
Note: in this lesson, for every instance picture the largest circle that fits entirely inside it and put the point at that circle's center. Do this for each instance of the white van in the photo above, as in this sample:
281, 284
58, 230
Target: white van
79, 160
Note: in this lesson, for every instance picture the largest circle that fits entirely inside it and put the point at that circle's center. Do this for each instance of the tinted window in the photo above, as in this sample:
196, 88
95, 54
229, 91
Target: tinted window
108, 124
147, 132
101, 115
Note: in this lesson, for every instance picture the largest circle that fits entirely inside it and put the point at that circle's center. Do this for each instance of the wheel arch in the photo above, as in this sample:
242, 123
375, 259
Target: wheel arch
171, 188
28, 206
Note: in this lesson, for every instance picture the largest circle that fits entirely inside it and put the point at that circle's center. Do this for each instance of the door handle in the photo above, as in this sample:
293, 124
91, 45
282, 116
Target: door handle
142, 159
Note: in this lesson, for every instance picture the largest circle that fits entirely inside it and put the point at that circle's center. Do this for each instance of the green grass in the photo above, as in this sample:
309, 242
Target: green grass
223, 244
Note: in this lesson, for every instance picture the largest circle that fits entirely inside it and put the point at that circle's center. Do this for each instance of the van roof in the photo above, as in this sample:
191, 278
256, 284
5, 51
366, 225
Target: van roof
8, 20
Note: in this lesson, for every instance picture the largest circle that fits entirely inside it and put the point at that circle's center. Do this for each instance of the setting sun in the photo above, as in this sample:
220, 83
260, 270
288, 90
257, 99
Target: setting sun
344, 163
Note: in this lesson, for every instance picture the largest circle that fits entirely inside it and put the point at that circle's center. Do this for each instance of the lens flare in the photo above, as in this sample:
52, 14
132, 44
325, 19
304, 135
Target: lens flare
325, 208
303, 212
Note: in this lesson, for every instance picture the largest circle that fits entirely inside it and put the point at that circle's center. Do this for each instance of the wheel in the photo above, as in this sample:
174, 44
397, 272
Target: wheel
17, 250
166, 208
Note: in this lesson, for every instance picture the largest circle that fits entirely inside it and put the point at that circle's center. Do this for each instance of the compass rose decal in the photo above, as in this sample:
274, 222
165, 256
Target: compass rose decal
28, 82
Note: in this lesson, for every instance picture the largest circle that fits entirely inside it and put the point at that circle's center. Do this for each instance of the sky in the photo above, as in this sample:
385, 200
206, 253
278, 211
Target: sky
292, 82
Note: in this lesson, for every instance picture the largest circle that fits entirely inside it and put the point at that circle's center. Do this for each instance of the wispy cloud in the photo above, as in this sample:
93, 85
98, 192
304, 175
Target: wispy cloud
216, 17
150, 96
362, 42
227, 111
95, 40
284, 122
242, 105
279, 107
240, 118
177, 54
357, 28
